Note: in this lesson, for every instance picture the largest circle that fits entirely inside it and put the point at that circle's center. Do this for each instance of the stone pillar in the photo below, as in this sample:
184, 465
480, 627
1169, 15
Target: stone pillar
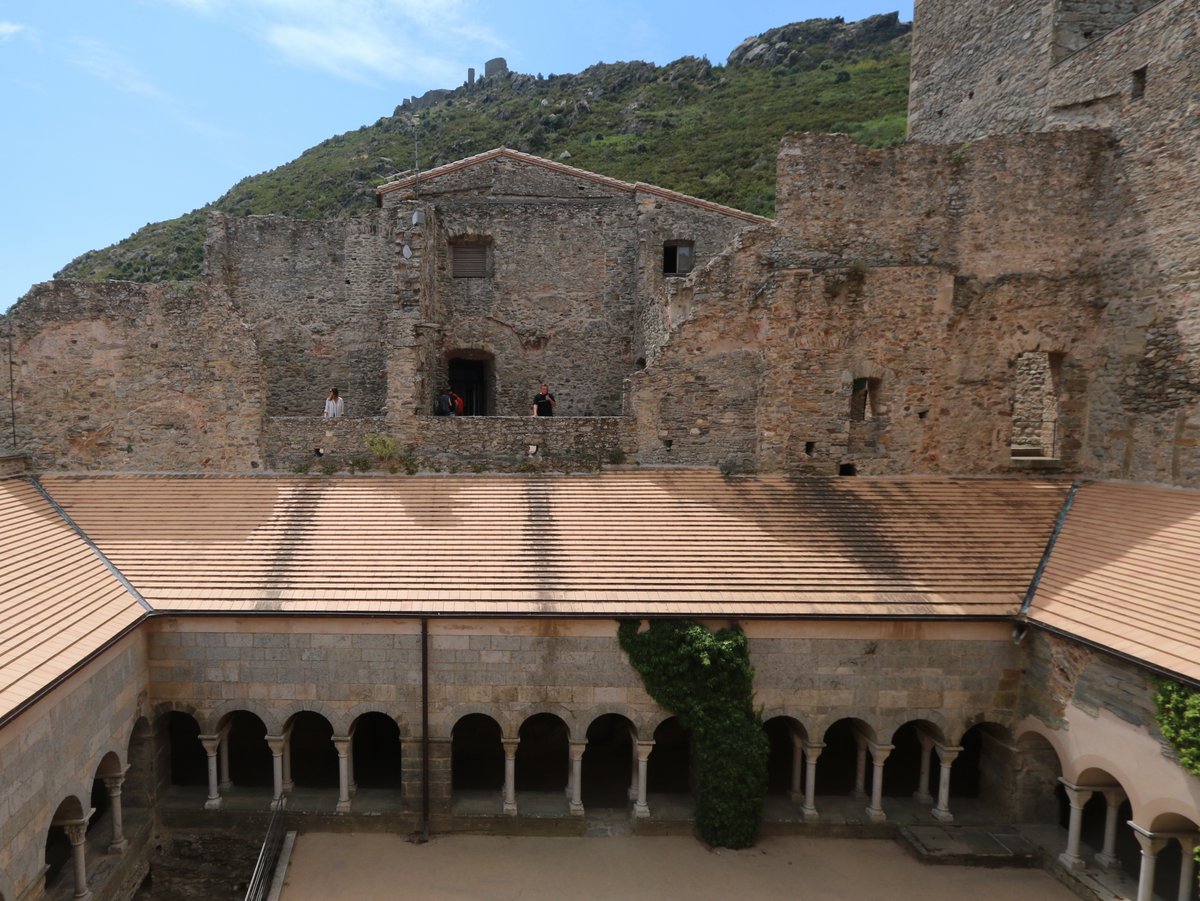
633, 770
640, 808
1187, 866
277, 745
576, 751
211, 745
351, 784
224, 782
922, 792
812, 752
510, 775
1077, 797
1113, 797
796, 789
879, 754
112, 785
946, 757
342, 744
288, 784
1151, 844
860, 767
77, 834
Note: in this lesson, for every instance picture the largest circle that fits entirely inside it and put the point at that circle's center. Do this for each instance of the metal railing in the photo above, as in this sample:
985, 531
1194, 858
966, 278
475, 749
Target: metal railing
1034, 438
268, 857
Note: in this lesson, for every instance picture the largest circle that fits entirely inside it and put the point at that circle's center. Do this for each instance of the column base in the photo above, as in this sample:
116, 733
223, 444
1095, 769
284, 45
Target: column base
118, 847
510, 809
213, 804
876, 815
576, 809
858, 796
224, 786
289, 786
942, 816
277, 804
86, 896
810, 814
342, 807
640, 811
1071, 861
1106, 861
923, 797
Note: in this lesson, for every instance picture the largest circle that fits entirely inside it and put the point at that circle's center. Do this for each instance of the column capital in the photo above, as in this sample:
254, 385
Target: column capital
1077, 795
947, 753
76, 830
879, 752
275, 743
1151, 842
576, 749
643, 749
112, 784
342, 743
210, 742
813, 749
510, 747
1114, 796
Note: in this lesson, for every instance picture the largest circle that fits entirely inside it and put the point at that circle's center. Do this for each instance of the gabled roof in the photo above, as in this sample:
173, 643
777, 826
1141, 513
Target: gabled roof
59, 601
1125, 575
529, 159
636, 543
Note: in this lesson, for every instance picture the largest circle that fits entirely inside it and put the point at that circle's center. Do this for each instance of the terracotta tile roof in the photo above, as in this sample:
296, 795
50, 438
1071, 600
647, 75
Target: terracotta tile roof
59, 603
630, 542
528, 158
1125, 574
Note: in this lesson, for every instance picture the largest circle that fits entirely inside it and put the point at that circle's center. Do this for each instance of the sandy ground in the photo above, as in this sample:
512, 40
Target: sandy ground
372, 867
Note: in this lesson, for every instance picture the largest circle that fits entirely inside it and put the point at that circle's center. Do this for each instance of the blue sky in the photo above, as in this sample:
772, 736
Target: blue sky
117, 113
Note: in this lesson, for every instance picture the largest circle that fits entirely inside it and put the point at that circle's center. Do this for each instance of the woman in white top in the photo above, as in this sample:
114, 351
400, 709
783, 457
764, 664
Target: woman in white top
333, 404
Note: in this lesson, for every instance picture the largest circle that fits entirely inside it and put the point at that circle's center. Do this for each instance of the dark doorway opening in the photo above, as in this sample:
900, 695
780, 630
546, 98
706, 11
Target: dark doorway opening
608, 762
476, 754
469, 380
543, 756
669, 768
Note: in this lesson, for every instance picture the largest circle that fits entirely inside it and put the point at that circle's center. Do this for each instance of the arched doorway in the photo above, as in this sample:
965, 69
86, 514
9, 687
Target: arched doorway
188, 760
837, 767
59, 852
608, 762
314, 758
476, 754
471, 376
669, 769
250, 760
376, 752
1038, 796
782, 732
543, 754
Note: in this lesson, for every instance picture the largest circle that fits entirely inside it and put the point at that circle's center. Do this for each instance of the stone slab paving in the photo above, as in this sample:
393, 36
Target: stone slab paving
373, 867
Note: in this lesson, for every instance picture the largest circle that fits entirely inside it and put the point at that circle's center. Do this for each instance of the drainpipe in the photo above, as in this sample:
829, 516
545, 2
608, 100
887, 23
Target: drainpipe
424, 728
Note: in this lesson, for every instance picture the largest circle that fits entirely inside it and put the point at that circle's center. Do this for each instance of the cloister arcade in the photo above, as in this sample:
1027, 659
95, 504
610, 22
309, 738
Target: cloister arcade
607, 760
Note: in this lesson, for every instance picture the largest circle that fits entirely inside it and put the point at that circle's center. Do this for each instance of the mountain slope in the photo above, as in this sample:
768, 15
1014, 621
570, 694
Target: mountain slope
710, 131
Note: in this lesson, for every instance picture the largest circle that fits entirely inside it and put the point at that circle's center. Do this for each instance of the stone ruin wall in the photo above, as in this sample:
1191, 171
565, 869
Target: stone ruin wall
316, 297
124, 376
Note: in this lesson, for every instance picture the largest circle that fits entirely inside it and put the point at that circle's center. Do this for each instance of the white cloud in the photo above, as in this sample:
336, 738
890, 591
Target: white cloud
108, 65
9, 29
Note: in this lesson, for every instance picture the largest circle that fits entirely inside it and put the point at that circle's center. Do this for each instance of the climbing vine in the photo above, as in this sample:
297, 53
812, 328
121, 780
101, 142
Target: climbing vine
1179, 721
705, 679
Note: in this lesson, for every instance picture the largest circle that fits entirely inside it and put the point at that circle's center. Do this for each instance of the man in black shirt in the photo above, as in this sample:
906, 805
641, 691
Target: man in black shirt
543, 403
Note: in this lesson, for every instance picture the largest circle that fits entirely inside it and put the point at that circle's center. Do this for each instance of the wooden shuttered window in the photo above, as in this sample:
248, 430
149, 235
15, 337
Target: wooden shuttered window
468, 260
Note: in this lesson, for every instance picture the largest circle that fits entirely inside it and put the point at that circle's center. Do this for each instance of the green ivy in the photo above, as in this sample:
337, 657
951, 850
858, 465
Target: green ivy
1179, 721
705, 679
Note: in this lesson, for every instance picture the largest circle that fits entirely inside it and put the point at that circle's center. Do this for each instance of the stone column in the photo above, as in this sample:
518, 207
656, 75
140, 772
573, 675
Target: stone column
922, 792
576, 751
1151, 844
288, 784
796, 788
1187, 866
342, 744
812, 752
211, 745
1114, 797
640, 808
352, 785
879, 754
633, 770
224, 783
510, 775
77, 834
277, 743
1077, 797
112, 785
860, 767
946, 757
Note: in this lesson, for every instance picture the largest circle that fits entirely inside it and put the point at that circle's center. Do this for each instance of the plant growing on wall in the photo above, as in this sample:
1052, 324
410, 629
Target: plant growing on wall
1179, 720
705, 679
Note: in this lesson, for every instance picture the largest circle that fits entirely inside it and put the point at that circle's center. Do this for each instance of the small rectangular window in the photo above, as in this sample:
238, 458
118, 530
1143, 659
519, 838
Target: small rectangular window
468, 259
678, 257
1137, 87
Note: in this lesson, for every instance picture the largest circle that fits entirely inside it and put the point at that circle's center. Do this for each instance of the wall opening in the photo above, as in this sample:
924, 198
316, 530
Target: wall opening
1036, 395
476, 754
470, 259
608, 762
376, 751
250, 760
189, 762
864, 399
679, 257
781, 750
1137, 84
543, 755
313, 755
669, 769
471, 375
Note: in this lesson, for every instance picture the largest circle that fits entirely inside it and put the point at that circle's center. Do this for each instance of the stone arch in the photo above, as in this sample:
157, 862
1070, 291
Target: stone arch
250, 761
781, 730
609, 767
556, 710
476, 753
110, 765
138, 791
669, 767
219, 715
401, 719
287, 713
907, 763
986, 766
376, 749
591, 714
314, 758
504, 718
1170, 819
837, 765
58, 845
187, 762
543, 754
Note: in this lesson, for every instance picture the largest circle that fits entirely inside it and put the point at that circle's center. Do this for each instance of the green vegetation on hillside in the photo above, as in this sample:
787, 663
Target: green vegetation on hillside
710, 131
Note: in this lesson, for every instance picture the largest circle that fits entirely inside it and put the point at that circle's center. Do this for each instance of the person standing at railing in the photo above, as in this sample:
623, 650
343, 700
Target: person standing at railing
543, 402
333, 404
